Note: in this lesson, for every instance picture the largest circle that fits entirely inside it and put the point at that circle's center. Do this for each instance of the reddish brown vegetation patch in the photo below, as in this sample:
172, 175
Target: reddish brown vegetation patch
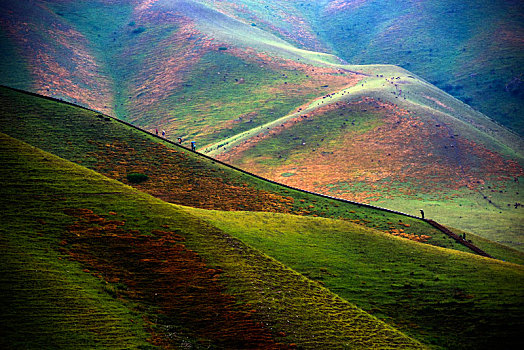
403, 156
164, 70
159, 271
176, 178
60, 60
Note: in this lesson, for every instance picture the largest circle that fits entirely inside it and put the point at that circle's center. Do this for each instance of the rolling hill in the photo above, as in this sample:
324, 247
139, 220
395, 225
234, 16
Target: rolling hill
90, 262
221, 72
249, 276
397, 141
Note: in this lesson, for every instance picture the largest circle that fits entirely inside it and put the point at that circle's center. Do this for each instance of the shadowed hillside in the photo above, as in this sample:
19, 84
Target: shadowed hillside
89, 262
473, 50
422, 290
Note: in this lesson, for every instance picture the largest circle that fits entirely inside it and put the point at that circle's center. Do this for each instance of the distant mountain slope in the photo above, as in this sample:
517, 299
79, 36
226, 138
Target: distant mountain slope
56, 58
90, 262
472, 50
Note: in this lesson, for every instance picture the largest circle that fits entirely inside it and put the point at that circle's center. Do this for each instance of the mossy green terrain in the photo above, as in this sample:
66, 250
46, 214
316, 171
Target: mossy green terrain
94, 263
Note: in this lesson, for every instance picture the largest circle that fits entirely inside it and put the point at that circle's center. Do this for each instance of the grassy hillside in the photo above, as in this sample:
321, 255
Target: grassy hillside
396, 140
450, 299
168, 65
177, 175
100, 238
173, 173
59, 60
90, 262
220, 73
473, 51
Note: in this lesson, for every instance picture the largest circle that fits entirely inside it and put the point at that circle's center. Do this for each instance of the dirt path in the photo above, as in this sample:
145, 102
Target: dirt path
458, 238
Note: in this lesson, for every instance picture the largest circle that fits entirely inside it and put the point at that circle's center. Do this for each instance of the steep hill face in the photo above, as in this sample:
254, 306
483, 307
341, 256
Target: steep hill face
180, 66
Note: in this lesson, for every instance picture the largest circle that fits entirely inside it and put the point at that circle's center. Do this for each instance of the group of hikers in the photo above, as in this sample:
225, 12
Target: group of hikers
179, 139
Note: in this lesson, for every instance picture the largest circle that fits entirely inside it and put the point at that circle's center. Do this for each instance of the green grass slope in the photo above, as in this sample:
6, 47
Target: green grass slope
90, 262
175, 174
449, 299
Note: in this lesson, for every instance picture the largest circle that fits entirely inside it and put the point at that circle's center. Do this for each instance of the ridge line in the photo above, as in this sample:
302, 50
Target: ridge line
433, 223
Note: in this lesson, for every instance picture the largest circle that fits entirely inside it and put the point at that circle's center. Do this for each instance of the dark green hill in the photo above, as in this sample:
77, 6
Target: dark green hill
88, 262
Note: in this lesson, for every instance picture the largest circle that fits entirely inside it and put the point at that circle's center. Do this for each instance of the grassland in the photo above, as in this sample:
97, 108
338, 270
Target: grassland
103, 228
222, 74
108, 266
424, 291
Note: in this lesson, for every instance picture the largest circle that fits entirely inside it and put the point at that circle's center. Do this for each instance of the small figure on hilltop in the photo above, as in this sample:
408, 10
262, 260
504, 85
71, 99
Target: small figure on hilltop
422, 213
179, 140
193, 146
163, 133
156, 131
